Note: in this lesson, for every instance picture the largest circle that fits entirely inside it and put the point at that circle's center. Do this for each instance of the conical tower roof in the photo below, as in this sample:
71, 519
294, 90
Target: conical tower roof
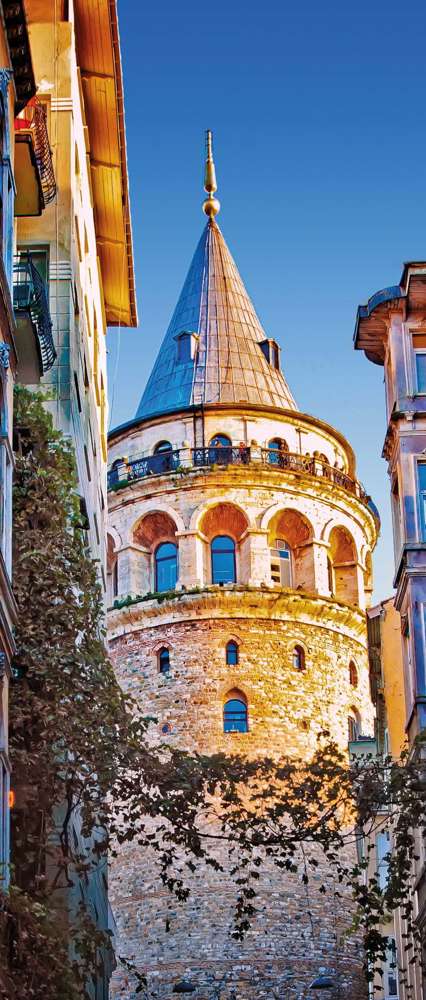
225, 362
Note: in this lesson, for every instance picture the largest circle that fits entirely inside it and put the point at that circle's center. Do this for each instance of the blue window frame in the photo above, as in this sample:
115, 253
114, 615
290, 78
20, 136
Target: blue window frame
164, 661
235, 716
165, 566
421, 476
232, 653
223, 559
421, 371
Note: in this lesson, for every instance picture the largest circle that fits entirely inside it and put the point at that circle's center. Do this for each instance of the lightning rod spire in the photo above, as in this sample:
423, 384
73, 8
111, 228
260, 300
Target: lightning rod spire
211, 206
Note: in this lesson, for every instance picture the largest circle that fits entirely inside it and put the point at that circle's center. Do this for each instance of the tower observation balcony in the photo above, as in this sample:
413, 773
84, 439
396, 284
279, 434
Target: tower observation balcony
124, 472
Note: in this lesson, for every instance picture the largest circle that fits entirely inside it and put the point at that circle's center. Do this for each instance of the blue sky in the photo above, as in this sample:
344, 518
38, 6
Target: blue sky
320, 148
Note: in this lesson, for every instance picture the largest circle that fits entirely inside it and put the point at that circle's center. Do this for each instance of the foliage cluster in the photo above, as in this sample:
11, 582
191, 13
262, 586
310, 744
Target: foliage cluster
81, 756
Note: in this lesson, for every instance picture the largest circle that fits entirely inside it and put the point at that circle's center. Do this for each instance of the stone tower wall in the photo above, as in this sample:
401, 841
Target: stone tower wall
297, 930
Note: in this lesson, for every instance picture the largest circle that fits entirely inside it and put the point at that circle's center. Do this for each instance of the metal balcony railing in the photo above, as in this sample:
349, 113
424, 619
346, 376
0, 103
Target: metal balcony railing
30, 296
139, 468
228, 455
34, 120
222, 455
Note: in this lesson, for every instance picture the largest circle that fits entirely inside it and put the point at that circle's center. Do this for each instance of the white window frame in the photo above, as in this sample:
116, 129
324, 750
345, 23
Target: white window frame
383, 846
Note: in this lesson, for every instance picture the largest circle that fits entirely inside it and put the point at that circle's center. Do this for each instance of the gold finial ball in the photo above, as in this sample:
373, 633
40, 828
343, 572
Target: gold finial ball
211, 207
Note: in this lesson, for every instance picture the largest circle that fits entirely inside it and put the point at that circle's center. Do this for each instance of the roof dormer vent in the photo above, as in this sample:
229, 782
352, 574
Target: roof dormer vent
271, 351
186, 346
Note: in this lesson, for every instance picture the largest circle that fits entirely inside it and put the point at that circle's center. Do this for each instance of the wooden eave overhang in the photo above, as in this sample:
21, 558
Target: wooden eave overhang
373, 319
372, 322
20, 52
99, 59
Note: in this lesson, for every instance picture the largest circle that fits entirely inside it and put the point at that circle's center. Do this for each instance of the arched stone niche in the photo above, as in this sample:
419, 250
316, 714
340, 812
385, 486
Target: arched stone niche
296, 530
344, 566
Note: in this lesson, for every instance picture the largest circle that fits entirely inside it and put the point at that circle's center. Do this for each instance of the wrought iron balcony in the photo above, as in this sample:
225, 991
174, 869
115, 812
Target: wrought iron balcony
31, 135
268, 458
30, 300
139, 468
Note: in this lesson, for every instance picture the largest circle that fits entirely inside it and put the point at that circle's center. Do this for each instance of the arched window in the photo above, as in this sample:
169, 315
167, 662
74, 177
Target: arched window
223, 559
299, 658
235, 714
162, 446
165, 566
220, 450
115, 579
353, 674
164, 661
354, 726
220, 441
232, 653
281, 568
162, 459
277, 452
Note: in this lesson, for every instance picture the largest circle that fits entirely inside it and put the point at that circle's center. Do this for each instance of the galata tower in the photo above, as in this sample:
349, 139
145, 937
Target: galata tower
240, 549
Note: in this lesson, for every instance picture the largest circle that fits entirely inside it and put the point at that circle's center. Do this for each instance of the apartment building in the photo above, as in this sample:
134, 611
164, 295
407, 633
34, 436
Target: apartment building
391, 330
79, 249
72, 277
17, 86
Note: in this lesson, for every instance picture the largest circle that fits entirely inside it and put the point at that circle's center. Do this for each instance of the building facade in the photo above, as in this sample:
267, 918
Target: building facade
391, 330
72, 277
239, 572
17, 87
77, 254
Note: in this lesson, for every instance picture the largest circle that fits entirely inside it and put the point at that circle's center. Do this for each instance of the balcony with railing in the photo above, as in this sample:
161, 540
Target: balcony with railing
36, 350
34, 174
123, 472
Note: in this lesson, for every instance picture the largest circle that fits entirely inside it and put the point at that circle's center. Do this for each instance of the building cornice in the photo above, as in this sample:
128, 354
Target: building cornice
270, 604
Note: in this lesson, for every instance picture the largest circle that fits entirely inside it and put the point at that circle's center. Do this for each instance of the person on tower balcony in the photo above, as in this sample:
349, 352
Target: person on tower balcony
283, 454
243, 453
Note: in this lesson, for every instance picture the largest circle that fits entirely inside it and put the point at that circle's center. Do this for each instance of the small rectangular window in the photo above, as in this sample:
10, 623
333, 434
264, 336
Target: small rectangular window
95, 520
86, 457
421, 475
77, 391
396, 515
88, 315
186, 344
40, 258
421, 371
391, 970
184, 349
77, 238
382, 862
